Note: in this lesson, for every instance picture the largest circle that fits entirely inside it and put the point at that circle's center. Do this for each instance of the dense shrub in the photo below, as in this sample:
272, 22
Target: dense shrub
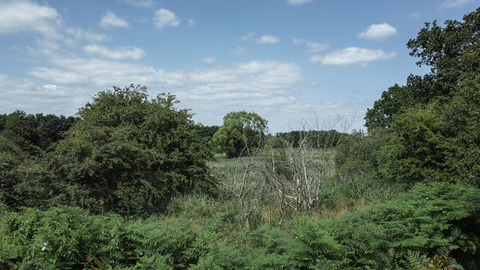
428, 218
127, 154
418, 148
358, 153
68, 238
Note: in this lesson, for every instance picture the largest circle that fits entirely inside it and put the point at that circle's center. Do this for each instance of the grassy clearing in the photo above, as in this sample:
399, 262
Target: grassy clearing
337, 195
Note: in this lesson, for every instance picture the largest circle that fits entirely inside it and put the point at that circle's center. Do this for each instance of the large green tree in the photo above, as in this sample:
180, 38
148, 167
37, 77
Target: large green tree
397, 99
443, 50
240, 133
438, 139
128, 154
463, 114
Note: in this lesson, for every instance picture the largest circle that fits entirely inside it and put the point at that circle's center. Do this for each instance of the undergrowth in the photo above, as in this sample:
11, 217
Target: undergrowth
430, 225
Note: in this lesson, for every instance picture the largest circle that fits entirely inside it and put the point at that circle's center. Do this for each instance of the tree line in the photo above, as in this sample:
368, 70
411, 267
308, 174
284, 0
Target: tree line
33, 133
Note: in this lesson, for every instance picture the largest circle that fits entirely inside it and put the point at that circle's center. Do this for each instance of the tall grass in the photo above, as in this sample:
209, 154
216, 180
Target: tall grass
337, 194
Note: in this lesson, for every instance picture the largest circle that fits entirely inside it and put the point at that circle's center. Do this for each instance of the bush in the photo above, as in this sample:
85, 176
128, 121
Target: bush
127, 154
418, 148
427, 218
68, 238
358, 153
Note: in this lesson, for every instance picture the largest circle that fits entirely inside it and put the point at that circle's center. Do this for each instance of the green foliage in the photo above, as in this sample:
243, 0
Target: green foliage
418, 148
428, 218
431, 224
68, 238
11, 155
51, 128
318, 138
353, 193
206, 131
34, 133
8, 144
441, 48
434, 120
418, 90
22, 126
440, 261
3, 119
358, 153
7, 163
463, 116
240, 134
306, 246
128, 155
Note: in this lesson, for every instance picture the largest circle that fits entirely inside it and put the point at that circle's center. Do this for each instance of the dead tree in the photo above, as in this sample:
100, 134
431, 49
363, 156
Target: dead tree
295, 174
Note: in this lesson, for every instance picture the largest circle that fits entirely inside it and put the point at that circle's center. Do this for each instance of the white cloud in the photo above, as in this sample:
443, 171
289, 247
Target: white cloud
76, 34
378, 32
238, 50
209, 60
141, 3
245, 76
45, 47
118, 53
298, 2
58, 76
191, 22
164, 17
33, 97
111, 20
297, 41
248, 36
314, 47
455, 3
352, 56
17, 16
263, 86
267, 39
414, 16
211, 92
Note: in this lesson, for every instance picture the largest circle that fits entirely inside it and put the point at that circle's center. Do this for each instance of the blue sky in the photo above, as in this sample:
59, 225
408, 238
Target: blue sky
290, 61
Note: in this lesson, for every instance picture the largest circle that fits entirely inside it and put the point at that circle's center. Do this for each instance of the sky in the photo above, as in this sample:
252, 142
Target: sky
296, 63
